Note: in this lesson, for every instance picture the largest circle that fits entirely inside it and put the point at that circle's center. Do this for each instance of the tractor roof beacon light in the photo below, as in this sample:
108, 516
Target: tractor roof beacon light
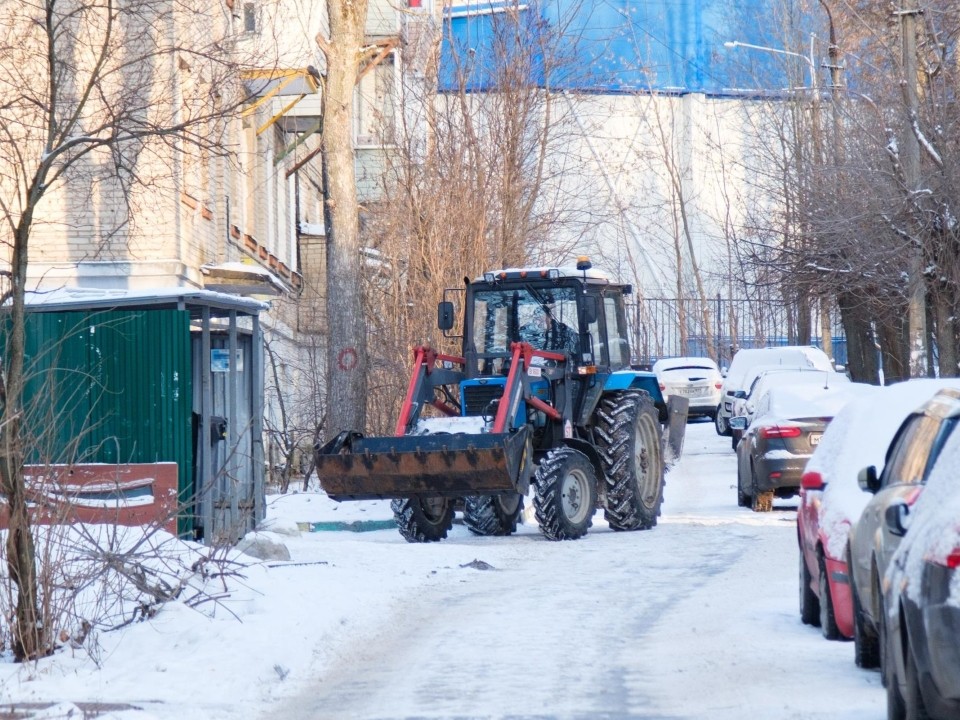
584, 264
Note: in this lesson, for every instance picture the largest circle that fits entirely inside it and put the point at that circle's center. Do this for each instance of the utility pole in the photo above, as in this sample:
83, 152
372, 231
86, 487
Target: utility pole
917, 296
826, 327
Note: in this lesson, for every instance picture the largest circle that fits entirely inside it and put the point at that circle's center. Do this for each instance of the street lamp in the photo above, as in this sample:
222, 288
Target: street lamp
809, 60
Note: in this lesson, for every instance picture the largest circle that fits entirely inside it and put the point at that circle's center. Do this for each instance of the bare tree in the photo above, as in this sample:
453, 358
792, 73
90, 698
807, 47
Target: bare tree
93, 103
469, 187
346, 51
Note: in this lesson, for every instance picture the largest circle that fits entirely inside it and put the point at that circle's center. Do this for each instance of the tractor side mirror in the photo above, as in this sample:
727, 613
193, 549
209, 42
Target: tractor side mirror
590, 309
445, 315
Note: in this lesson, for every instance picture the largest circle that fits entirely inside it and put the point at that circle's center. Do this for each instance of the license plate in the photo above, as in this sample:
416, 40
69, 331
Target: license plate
815, 438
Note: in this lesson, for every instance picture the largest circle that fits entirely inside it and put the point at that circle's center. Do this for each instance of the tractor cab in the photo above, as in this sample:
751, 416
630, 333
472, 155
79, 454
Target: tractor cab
575, 312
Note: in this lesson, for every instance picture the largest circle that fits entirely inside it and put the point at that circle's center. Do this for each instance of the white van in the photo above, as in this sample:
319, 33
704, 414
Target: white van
789, 356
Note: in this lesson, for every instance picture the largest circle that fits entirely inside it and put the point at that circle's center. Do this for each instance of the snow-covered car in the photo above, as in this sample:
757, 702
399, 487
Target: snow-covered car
696, 378
907, 464
922, 598
735, 376
831, 501
763, 377
788, 425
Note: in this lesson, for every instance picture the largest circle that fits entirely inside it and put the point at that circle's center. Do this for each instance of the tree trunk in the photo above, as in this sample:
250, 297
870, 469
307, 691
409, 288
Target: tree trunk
28, 633
861, 350
946, 334
895, 342
347, 339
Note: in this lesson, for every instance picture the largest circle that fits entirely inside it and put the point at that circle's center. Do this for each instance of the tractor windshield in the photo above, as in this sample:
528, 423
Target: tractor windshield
544, 317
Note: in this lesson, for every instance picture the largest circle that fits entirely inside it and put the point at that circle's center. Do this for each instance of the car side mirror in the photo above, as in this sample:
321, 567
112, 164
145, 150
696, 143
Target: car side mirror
812, 481
867, 479
896, 517
738, 422
445, 315
740, 394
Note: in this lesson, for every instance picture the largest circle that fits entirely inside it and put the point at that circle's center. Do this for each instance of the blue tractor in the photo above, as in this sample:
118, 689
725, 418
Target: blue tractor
542, 395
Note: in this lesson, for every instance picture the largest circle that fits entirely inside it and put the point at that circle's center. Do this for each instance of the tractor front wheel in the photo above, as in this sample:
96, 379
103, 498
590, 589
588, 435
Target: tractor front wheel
492, 514
628, 440
565, 494
423, 519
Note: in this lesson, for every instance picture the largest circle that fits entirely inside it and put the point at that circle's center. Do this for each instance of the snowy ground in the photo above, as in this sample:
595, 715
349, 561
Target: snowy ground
695, 619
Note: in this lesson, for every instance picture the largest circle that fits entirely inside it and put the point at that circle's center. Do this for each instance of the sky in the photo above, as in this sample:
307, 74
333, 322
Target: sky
705, 609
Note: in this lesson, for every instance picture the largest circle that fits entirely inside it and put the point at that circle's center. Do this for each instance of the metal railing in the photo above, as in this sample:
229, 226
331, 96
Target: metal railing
717, 328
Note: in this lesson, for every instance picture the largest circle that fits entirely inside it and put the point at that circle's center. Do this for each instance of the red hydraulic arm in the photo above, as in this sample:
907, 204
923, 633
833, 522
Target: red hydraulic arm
424, 359
514, 387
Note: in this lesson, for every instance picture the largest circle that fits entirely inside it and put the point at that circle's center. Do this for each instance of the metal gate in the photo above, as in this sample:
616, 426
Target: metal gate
718, 327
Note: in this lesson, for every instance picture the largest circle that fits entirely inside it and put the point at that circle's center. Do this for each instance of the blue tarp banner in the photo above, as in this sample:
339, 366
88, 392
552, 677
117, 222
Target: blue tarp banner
675, 46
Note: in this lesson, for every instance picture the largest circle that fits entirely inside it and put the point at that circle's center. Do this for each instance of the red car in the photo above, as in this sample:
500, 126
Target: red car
831, 500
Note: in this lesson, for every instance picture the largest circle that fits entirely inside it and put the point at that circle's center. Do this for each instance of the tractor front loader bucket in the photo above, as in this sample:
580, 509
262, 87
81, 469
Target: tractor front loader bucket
352, 467
677, 410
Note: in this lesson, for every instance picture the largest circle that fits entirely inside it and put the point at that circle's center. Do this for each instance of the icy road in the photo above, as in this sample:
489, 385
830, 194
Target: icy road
696, 618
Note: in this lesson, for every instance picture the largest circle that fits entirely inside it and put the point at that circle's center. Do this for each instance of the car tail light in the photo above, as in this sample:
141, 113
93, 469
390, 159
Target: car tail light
778, 431
812, 481
718, 385
951, 560
662, 387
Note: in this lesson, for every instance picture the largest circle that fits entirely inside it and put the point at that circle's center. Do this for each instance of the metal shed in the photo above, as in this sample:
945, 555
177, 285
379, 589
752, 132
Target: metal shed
166, 375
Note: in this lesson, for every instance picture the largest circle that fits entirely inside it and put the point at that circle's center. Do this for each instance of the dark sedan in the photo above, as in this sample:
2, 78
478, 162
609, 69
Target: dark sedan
922, 598
786, 428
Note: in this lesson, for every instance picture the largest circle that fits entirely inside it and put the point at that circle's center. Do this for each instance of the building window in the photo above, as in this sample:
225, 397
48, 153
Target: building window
375, 104
249, 17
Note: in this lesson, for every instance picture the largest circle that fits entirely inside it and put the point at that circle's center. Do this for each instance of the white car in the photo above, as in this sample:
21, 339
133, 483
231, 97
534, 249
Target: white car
735, 377
696, 378
763, 377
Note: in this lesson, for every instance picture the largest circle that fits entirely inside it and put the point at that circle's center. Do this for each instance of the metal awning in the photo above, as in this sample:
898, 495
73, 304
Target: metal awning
265, 85
241, 279
66, 299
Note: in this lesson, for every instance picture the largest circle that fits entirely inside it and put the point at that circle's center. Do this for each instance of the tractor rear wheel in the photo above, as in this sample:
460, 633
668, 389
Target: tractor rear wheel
423, 519
565, 496
628, 441
492, 514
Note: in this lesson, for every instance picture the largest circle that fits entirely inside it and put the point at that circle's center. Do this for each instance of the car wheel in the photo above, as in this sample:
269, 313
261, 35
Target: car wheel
828, 620
913, 700
866, 645
720, 423
809, 604
743, 500
896, 708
